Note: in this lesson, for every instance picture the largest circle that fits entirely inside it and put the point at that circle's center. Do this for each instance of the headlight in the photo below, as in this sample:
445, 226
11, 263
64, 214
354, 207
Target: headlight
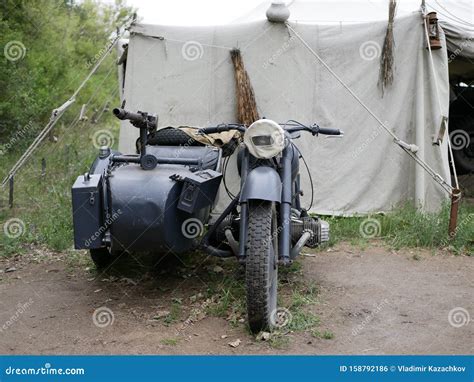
265, 139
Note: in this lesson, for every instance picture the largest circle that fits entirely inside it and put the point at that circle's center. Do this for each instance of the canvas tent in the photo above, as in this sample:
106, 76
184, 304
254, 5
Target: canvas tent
456, 17
185, 75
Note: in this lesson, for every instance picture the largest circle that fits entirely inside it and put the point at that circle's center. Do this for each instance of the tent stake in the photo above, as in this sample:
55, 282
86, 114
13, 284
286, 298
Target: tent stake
453, 217
10, 195
43, 167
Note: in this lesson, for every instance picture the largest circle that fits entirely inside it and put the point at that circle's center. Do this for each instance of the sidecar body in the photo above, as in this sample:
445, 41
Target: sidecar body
122, 207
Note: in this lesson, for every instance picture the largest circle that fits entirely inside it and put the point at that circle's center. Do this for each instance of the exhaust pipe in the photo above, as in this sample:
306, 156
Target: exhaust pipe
295, 251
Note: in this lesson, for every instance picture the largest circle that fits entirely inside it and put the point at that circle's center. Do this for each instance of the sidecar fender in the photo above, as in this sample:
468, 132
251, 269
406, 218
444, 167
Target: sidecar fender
262, 183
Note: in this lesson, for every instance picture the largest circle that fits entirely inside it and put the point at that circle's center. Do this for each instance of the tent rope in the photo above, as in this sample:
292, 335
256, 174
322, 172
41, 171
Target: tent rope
57, 113
438, 178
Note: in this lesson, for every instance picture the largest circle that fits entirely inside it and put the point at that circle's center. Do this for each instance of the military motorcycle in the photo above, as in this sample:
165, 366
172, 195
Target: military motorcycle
160, 200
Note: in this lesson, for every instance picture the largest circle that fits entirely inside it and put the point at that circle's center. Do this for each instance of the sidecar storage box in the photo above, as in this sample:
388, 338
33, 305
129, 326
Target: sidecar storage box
87, 208
199, 190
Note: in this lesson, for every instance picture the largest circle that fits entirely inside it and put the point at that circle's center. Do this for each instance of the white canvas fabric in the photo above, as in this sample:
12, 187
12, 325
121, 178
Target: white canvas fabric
456, 17
186, 76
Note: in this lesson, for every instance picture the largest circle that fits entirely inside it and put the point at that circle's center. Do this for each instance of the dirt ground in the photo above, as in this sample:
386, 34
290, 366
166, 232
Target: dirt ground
371, 300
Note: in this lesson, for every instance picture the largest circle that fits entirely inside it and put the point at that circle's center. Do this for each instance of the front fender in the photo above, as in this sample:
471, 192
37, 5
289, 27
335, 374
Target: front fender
262, 183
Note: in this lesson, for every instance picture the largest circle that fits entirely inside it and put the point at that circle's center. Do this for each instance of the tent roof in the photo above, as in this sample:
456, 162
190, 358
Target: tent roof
459, 12
455, 16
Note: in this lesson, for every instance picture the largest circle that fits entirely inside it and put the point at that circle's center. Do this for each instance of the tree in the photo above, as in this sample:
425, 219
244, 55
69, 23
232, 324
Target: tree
48, 48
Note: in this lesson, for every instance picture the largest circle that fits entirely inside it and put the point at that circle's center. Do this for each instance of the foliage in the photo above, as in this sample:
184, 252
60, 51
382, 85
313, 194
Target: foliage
55, 45
61, 40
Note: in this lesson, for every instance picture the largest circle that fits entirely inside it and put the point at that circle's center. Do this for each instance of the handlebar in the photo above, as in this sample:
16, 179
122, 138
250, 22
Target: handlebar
144, 120
291, 128
329, 131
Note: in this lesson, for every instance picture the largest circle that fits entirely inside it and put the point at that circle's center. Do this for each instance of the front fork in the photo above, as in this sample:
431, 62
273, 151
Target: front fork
244, 211
284, 223
284, 237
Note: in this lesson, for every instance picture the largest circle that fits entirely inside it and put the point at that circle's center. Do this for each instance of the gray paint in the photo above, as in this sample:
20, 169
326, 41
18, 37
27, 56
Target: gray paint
262, 183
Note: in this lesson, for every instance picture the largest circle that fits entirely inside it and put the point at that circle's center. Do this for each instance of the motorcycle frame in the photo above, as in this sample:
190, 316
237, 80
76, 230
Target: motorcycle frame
252, 188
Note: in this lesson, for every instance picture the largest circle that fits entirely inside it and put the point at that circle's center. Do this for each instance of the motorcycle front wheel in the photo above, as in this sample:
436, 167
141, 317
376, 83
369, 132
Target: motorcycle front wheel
261, 273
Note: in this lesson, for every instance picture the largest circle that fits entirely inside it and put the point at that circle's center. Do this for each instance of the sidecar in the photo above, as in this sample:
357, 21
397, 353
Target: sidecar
119, 206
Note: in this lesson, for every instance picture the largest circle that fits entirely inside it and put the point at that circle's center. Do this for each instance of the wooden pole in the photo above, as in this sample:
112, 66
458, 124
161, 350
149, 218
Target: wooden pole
453, 217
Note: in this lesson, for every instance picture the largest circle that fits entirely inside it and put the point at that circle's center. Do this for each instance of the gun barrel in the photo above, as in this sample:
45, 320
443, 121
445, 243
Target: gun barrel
124, 114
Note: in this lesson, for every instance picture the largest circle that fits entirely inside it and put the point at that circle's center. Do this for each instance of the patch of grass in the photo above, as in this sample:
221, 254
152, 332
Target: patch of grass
169, 341
228, 292
316, 333
300, 297
222, 305
43, 203
327, 335
175, 313
408, 227
75, 259
302, 320
10, 247
297, 296
295, 267
305, 295
278, 341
